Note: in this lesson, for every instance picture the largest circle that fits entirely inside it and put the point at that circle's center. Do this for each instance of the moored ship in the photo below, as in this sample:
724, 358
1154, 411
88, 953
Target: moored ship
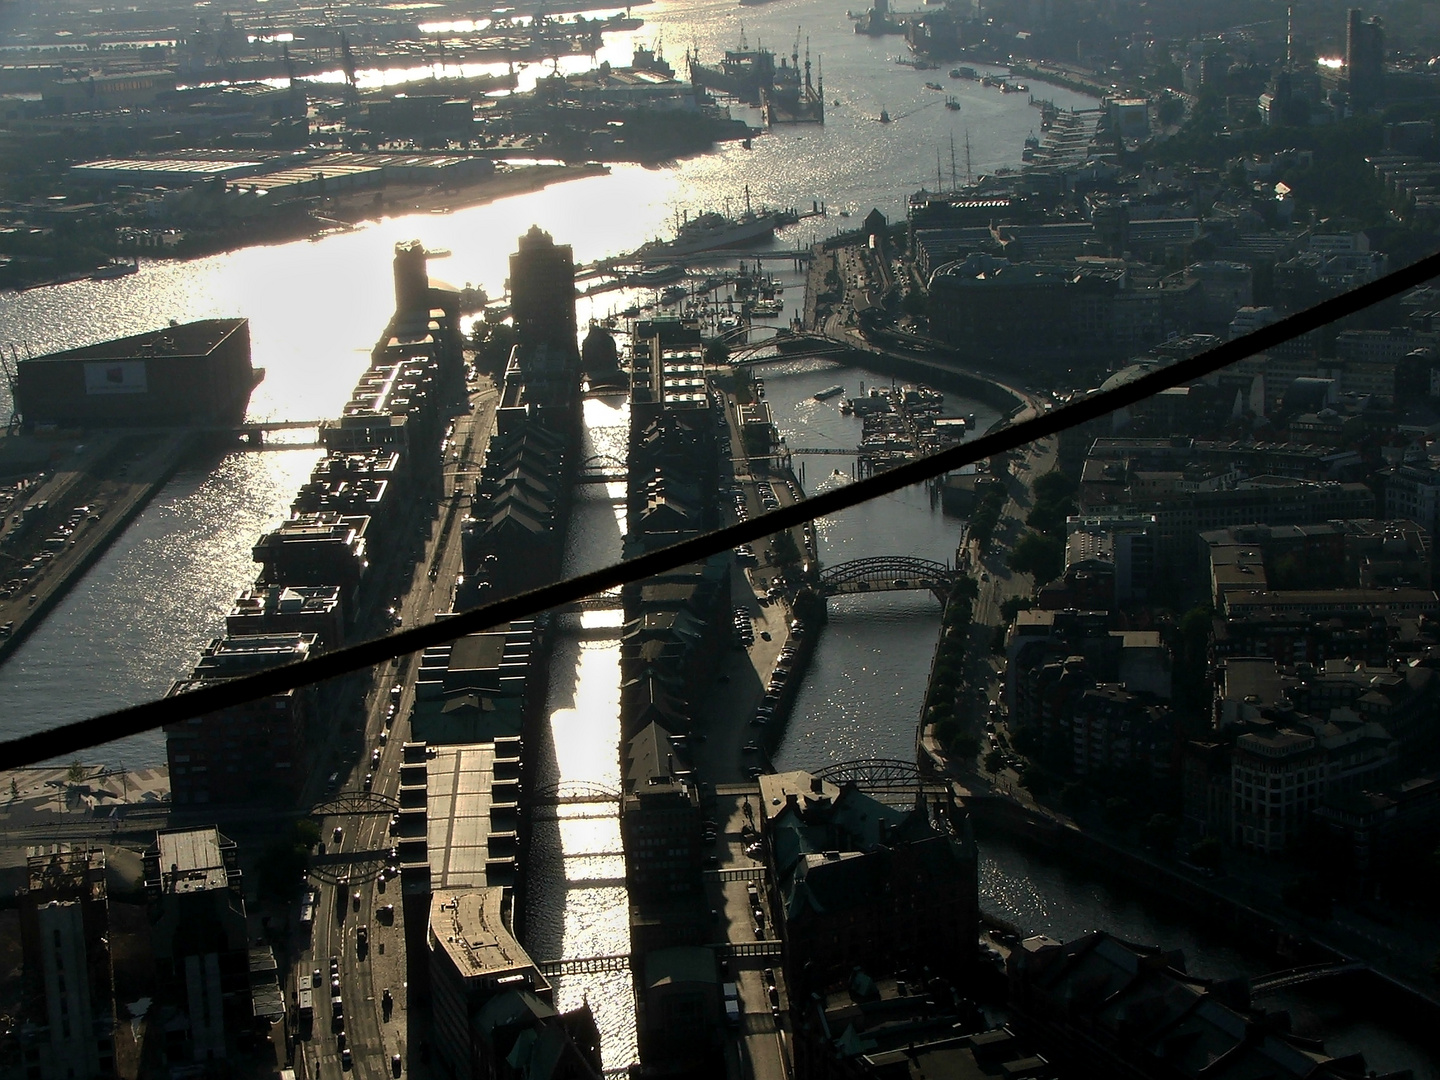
711, 231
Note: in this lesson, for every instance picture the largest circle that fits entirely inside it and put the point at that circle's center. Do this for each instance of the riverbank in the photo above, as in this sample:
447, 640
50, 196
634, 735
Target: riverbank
1066, 78
340, 213
397, 199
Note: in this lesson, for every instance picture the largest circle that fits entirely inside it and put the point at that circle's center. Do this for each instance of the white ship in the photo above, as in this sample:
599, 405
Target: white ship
711, 231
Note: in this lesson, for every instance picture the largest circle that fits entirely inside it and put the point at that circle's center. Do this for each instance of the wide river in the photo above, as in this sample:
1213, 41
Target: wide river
139, 619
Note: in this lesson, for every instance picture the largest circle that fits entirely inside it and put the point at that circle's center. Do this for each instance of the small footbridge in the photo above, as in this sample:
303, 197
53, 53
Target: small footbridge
888, 573
602, 469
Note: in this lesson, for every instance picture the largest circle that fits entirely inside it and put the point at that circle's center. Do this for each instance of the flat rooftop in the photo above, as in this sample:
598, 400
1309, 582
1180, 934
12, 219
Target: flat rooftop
190, 860
469, 925
459, 785
188, 339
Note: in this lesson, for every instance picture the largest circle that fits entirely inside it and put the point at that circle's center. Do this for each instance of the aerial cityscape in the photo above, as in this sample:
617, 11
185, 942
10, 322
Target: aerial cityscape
1115, 753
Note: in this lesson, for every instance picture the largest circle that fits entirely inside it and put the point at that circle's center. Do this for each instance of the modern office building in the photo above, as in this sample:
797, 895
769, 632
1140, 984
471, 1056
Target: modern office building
542, 293
494, 1013
200, 943
67, 1031
1365, 58
250, 751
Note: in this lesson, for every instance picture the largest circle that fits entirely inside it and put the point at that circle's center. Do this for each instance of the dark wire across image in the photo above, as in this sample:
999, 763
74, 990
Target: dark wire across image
71, 738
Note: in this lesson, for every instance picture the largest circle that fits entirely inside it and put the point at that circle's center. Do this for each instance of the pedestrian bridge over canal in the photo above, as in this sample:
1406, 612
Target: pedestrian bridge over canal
888, 573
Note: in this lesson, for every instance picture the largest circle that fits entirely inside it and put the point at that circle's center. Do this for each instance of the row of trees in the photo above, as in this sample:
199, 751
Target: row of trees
1041, 551
948, 679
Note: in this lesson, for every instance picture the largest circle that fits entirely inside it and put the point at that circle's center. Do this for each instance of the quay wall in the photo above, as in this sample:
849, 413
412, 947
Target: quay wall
97, 541
934, 372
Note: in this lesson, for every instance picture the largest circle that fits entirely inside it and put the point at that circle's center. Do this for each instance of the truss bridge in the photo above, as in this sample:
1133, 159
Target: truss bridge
887, 573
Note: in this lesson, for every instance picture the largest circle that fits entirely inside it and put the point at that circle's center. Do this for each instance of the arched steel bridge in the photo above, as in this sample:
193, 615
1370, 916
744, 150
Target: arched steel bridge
887, 573
602, 469
872, 773
335, 867
352, 803
745, 341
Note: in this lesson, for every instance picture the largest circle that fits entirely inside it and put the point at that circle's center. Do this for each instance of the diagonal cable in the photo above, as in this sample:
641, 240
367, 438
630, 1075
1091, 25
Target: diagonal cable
70, 738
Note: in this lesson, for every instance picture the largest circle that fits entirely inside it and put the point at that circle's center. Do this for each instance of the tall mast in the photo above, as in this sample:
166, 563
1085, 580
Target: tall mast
968, 178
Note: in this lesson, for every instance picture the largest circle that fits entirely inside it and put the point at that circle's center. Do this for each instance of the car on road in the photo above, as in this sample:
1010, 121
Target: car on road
346, 1061
394, 1064
340, 1040
369, 780
374, 758
750, 748
338, 834
355, 900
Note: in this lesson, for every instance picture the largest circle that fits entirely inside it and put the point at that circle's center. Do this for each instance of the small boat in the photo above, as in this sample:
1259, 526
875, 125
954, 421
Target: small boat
829, 392
933, 86
884, 117
952, 104
113, 270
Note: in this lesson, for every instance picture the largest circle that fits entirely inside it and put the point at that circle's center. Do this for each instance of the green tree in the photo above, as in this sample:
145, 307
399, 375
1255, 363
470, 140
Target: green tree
75, 773
993, 761
717, 352
915, 302
492, 350
1049, 517
1054, 486
282, 864
1012, 605
1040, 556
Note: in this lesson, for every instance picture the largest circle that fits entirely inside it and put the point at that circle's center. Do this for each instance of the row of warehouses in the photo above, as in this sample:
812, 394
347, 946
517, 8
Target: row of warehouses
299, 173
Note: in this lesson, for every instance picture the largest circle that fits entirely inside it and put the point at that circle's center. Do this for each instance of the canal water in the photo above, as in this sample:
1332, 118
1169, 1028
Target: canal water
577, 904
139, 619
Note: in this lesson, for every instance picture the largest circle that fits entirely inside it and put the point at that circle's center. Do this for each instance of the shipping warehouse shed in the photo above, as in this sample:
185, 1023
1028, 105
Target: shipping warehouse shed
198, 372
